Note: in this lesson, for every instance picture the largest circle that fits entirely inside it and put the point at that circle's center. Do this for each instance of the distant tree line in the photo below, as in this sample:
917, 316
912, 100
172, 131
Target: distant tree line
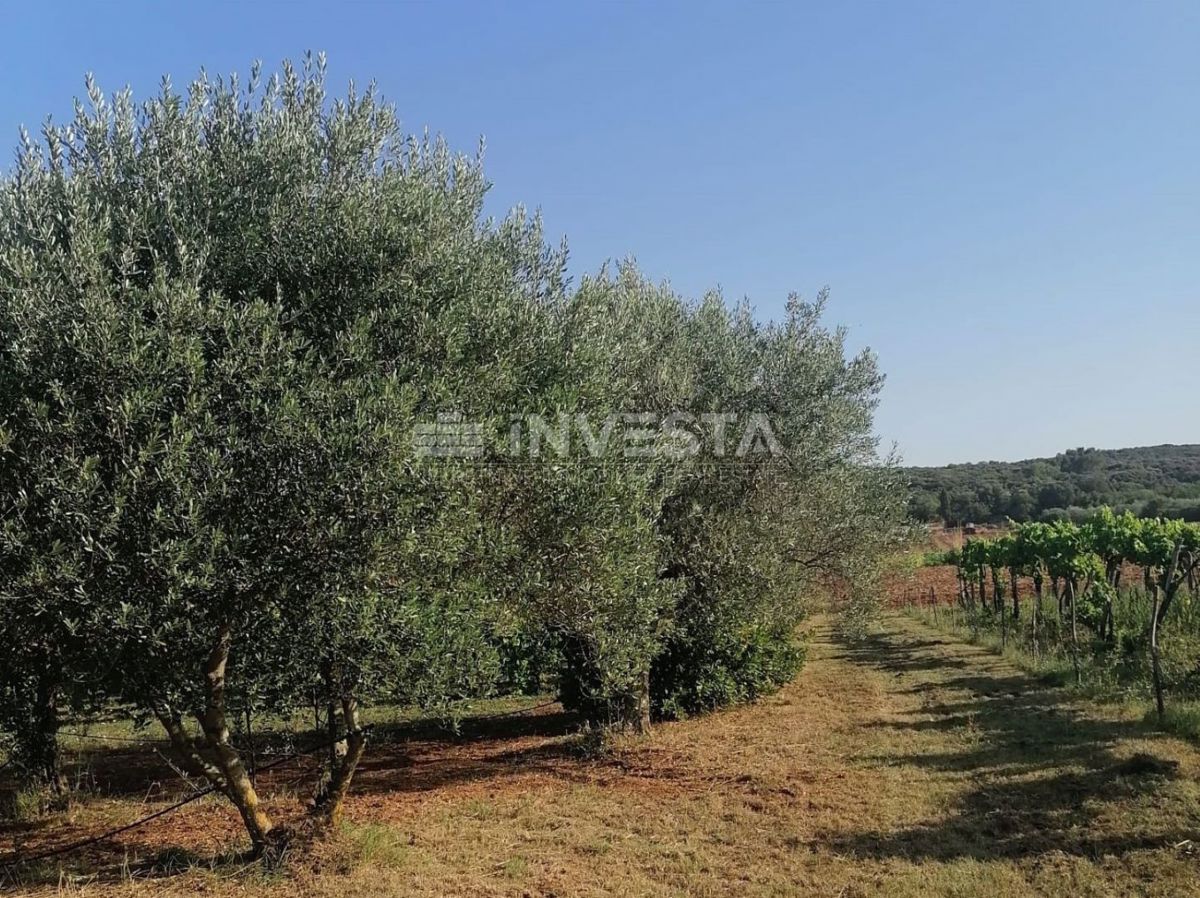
1154, 481
222, 315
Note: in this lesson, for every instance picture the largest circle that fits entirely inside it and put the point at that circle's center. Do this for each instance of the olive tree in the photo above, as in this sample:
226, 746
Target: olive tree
758, 534
579, 508
715, 542
222, 312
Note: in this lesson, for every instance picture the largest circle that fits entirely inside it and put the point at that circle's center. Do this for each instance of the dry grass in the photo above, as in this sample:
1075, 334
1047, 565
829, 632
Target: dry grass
908, 765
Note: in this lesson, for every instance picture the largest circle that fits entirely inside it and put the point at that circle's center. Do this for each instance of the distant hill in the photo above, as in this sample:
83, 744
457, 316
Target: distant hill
1152, 480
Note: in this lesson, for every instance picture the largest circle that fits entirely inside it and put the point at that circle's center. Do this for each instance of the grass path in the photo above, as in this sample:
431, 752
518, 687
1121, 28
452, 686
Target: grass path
908, 765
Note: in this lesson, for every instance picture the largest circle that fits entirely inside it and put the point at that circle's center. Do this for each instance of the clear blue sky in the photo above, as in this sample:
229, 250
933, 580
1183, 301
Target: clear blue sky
1003, 197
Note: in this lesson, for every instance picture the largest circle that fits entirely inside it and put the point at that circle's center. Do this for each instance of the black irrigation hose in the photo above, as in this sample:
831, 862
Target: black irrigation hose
127, 740
134, 743
510, 713
16, 860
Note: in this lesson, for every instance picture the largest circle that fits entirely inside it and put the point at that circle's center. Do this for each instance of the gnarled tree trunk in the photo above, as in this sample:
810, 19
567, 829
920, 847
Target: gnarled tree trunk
642, 723
344, 761
34, 752
38, 747
213, 722
232, 776
193, 759
215, 758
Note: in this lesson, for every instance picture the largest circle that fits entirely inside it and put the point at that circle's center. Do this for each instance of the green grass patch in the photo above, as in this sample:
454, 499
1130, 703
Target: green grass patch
377, 844
1181, 719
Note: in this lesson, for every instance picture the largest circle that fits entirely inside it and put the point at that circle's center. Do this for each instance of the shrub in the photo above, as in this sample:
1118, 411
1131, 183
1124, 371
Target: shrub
709, 667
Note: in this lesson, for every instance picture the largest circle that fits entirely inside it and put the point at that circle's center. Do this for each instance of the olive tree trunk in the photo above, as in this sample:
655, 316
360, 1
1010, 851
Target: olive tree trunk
215, 758
215, 725
641, 722
36, 749
344, 761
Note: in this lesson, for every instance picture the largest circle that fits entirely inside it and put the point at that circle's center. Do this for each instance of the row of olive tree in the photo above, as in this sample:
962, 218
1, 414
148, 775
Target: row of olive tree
221, 316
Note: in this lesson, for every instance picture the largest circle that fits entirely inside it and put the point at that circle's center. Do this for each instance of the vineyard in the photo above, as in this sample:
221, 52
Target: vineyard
1114, 598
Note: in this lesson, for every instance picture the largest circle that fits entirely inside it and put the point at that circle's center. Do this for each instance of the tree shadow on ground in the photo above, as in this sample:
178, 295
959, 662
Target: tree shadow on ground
561, 759
408, 756
148, 768
911, 656
1040, 773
